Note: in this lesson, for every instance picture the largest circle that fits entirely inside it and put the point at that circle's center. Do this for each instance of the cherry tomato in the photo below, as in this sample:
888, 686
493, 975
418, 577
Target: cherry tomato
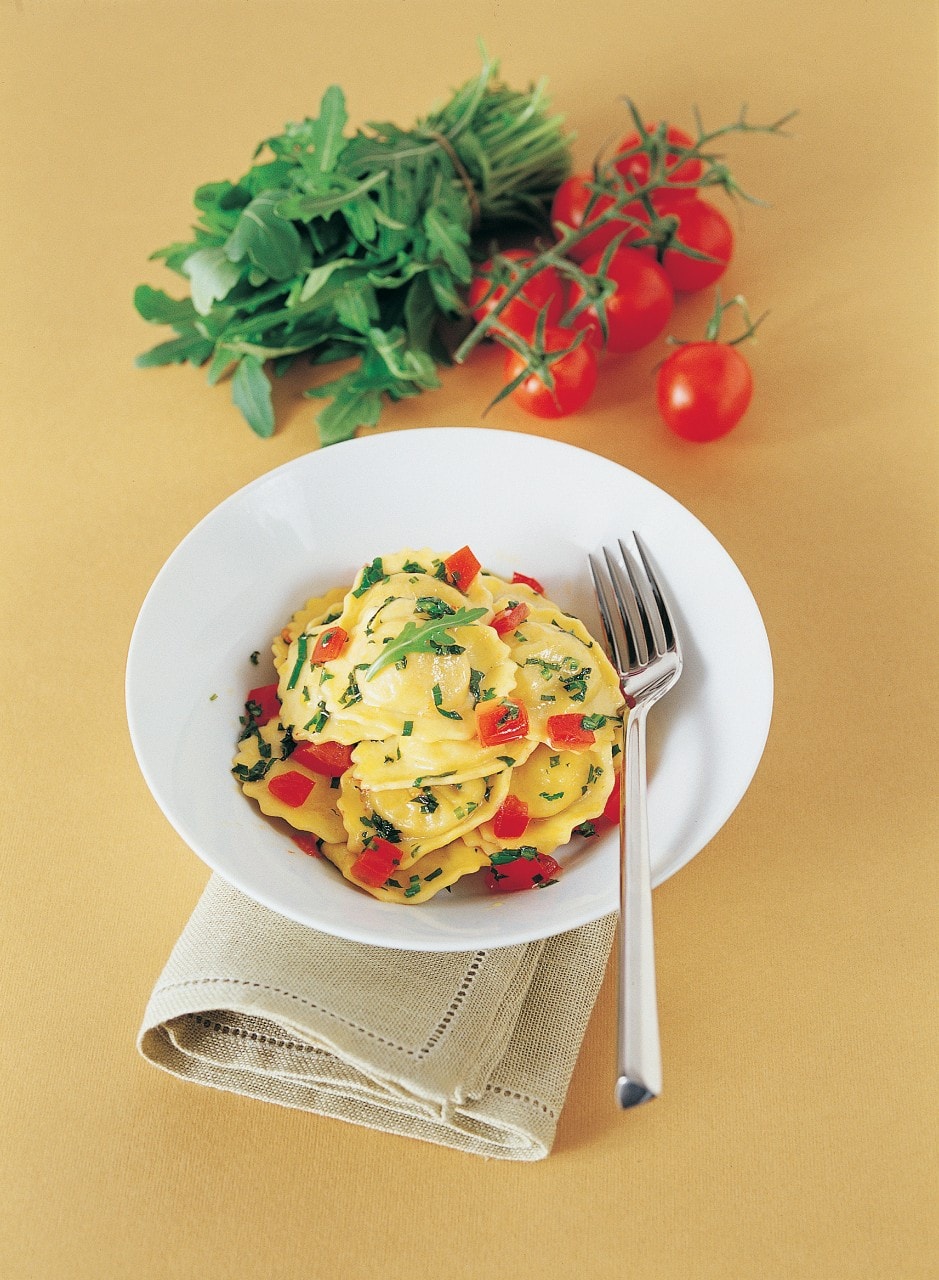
574, 376
635, 166
570, 205
520, 314
703, 390
639, 309
704, 228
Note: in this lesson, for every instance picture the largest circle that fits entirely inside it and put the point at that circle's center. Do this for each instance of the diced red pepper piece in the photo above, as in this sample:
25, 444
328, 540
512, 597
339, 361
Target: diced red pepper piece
328, 758
266, 698
568, 731
511, 819
521, 872
375, 864
511, 617
290, 788
529, 582
611, 809
309, 844
501, 722
462, 567
329, 644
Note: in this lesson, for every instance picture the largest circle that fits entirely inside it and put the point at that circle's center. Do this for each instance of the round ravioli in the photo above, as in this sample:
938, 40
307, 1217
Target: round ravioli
425, 877
561, 669
286, 789
418, 820
561, 789
410, 761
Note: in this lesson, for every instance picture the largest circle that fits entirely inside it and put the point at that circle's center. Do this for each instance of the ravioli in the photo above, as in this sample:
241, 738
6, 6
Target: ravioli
386, 748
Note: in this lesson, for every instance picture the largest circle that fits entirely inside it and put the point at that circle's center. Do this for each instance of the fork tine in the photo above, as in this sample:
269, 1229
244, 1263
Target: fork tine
645, 598
628, 608
617, 640
671, 635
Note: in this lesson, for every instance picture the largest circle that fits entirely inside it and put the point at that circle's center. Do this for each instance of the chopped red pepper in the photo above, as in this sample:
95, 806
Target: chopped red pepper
568, 731
511, 617
611, 810
329, 758
309, 844
375, 864
329, 645
266, 698
462, 567
521, 872
290, 788
501, 722
511, 819
529, 582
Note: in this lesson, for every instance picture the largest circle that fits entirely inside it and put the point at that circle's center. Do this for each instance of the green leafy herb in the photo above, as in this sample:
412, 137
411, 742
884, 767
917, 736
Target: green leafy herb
432, 607
438, 703
426, 801
371, 574
407, 729
555, 795
337, 244
302, 642
255, 657
595, 721
423, 637
382, 827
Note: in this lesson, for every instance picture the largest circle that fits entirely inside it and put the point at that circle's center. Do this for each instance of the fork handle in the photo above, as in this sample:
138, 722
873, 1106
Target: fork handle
639, 1056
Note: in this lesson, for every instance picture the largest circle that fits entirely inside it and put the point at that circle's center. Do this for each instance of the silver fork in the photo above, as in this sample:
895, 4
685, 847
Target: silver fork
643, 645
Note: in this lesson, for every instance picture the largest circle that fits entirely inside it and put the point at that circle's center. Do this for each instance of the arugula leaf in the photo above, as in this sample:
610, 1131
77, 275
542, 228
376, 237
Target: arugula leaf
251, 392
422, 637
213, 276
271, 242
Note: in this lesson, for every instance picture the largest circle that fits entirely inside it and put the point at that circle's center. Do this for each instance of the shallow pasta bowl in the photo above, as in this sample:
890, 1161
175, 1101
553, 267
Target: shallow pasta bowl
308, 526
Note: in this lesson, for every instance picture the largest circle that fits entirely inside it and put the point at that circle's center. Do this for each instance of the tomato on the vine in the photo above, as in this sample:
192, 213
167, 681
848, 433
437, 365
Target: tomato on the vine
638, 310
569, 208
573, 374
636, 167
544, 290
703, 390
702, 227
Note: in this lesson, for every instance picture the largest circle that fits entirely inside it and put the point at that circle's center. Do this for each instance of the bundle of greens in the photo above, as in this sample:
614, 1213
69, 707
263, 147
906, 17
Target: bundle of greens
358, 245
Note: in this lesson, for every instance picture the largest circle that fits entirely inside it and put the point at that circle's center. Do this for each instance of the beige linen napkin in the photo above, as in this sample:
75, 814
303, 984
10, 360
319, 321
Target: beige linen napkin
472, 1050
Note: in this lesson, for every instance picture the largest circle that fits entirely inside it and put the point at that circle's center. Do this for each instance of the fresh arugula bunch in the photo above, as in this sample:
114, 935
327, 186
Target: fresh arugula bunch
354, 245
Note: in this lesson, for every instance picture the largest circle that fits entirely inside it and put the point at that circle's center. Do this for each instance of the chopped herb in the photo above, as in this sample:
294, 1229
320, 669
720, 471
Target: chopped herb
254, 657
301, 659
334, 784
556, 795
392, 884
547, 668
351, 694
616, 749
212, 697
555, 623
252, 774
407, 729
412, 890
438, 703
318, 723
382, 827
586, 829
527, 851
426, 801
332, 616
593, 773
438, 871
520, 637
371, 574
595, 721
422, 638
555, 761
474, 679
509, 760
575, 685
543, 883
433, 607
547, 697
411, 566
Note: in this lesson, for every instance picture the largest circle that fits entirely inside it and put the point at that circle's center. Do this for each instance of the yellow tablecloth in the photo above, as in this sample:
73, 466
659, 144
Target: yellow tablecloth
796, 1135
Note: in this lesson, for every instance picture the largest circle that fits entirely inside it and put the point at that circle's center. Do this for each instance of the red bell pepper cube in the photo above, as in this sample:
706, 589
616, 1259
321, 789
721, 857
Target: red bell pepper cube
511, 617
266, 698
567, 731
510, 875
329, 644
309, 844
328, 758
529, 582
461, 568
290, 788
511, 819
498, 722
375, 864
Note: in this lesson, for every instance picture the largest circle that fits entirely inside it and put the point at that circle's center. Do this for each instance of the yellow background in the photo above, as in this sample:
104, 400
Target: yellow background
796, 1136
